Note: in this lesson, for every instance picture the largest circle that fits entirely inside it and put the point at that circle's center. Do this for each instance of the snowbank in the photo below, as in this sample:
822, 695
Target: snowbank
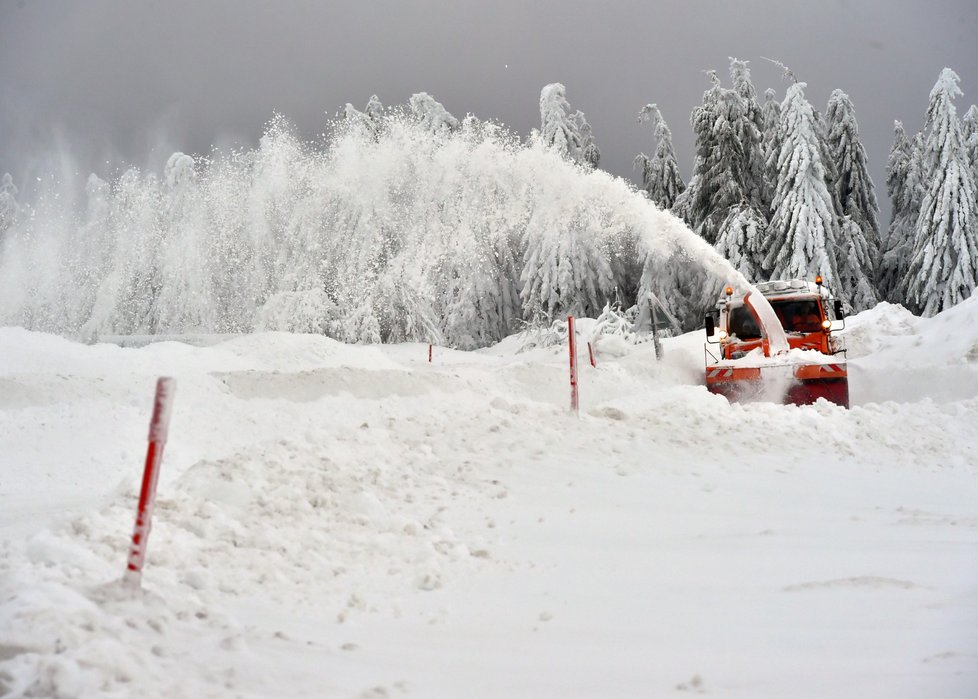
353, 521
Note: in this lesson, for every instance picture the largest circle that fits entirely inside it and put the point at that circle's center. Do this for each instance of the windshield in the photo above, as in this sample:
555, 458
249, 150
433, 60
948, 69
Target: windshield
742, 323
802, 316
799, 316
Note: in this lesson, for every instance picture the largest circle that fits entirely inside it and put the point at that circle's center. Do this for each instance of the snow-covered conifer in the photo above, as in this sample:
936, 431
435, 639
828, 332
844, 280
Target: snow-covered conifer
719, 155
896, 242
660, 173
589, 153
771, 144
432, 114
371, 118
374, 109
969, 132
943, 266
803, 221
748, 127
557, 127
857, 249
741, 240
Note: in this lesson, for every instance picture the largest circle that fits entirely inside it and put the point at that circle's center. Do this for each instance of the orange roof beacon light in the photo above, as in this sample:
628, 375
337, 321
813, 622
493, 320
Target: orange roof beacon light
818, 279
728, 291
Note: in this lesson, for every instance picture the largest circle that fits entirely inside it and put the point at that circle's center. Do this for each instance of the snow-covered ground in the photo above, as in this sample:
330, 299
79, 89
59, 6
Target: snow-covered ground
351, 521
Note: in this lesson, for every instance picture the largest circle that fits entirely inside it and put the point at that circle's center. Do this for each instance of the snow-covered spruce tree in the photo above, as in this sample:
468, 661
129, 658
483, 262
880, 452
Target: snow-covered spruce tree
943, 268
557, 127
718, 152
374, 109
771, 143
370, 120
857, 249
661, 179
8, 203
725, 191
432, 114
749, 130
803, 220
589, 154
896, 242
969, 132
724, 175
741, 240
906, 188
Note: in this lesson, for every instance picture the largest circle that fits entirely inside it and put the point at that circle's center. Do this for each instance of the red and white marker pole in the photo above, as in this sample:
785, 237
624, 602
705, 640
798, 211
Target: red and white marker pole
590, 353
158, 426
429, 353
572, 345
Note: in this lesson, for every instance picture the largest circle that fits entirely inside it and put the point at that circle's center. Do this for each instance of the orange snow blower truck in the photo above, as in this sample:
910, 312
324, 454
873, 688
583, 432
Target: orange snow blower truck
745, 368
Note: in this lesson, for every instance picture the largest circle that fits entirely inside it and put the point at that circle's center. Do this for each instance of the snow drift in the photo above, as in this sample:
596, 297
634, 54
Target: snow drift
355, 522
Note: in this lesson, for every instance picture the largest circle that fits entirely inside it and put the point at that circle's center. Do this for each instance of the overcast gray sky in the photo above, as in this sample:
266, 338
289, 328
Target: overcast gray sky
129, 82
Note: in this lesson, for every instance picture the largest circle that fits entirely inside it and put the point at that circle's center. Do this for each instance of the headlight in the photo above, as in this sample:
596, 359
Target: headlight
722, 335
826, 323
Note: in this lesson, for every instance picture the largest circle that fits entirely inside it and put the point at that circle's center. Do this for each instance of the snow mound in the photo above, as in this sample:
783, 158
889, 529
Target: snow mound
896, 356
338, 520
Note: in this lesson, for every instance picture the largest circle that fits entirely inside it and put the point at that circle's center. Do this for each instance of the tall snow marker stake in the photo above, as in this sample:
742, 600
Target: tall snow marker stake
159, 424
429, 353
590, 353
572, 345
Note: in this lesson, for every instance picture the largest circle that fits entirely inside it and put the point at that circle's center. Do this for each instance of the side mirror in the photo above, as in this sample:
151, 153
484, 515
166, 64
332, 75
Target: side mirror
710, 327
838, 310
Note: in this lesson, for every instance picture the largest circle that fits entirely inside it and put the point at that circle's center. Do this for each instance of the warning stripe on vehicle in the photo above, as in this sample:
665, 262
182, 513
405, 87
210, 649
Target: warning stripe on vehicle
725, 373
821, 371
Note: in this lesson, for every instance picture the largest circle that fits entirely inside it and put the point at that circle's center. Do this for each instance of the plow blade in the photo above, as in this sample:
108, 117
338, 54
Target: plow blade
799, 385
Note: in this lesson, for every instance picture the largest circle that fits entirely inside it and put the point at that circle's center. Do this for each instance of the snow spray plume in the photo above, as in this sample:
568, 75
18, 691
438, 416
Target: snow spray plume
387, 231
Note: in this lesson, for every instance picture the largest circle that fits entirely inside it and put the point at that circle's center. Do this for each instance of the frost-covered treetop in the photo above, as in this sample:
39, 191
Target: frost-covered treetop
556, 128
660, 174
969, 131
740, 77
943, 128
947, 83
650, 114
179, 170
970, 117
432, 114
897, 163
374, 110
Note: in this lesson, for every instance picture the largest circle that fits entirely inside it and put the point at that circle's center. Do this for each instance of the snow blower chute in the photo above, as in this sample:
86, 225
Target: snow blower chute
811, 365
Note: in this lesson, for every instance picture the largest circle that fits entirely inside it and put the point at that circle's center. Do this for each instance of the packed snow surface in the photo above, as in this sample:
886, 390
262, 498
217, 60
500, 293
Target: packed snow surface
352, 521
